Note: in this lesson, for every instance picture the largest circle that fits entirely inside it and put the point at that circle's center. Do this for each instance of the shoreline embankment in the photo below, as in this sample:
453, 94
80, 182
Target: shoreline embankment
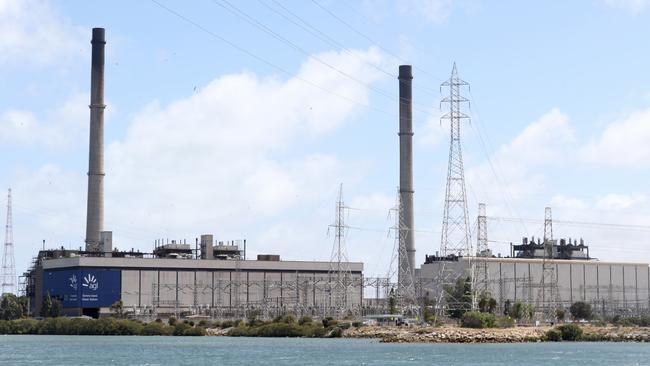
454, 334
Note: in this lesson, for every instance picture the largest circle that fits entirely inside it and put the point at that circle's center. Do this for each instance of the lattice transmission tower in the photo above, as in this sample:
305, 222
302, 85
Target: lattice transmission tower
339, 274
455, 226
405, 293
480, 275
548, 295
8, 260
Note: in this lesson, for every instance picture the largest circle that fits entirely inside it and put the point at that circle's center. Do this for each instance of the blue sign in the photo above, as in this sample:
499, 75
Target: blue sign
85, 288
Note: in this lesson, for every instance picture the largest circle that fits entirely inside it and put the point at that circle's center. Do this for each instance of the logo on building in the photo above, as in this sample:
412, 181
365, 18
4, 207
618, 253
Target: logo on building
73, 282
90, 281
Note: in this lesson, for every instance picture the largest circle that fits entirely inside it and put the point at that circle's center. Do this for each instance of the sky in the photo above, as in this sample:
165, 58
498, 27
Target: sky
243, 118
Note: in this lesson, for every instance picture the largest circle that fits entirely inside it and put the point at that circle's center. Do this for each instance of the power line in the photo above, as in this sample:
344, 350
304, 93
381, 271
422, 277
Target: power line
261, 26
577, 223
352, 28
306, 26
266, 29
263, 60
498, 175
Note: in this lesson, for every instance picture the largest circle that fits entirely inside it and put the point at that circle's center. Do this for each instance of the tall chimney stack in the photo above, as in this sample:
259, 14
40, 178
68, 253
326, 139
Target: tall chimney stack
95, 211
406, 163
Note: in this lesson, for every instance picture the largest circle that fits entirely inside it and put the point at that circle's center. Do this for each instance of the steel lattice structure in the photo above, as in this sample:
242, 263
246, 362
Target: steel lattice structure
480, 272
405, 294
339, 272
8, 260
549, 292
455, 226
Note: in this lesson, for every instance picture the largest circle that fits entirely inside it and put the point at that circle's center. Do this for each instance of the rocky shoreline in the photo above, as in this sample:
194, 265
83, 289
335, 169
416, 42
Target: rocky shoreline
452, 334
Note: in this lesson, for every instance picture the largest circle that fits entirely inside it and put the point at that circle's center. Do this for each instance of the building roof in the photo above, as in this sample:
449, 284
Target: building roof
195, 264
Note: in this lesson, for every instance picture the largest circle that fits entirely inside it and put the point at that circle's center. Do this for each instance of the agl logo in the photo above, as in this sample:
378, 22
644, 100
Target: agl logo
91, 282
73, 282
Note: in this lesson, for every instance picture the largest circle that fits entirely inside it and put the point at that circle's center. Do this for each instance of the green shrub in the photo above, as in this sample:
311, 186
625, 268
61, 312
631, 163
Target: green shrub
171, 321
305, 320
228, 324
345, 325
554, 335
180, 328
156, 328
357, 324
505, 322
196, 331
640, 321
475, 319
329, 322
581, 310
570, 332
336, 332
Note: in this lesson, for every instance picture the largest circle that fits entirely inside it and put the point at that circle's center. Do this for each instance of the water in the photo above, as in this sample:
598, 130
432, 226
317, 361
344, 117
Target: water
100, 350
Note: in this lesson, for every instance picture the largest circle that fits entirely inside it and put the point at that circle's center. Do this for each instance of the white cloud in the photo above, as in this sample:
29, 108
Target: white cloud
63, 126
564, 202
32, 32
378, 202
624, 142
632, 6
433, 11
616, 202
547, 141
222, 159
433, 131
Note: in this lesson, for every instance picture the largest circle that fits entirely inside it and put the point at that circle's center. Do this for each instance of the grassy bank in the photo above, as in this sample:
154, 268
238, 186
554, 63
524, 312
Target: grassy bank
104, 326
287, 326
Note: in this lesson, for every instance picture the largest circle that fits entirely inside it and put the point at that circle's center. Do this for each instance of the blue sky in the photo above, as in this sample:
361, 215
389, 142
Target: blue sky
204, 138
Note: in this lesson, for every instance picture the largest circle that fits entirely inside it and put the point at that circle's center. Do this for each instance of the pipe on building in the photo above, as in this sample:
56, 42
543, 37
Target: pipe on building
95, 208
406, 231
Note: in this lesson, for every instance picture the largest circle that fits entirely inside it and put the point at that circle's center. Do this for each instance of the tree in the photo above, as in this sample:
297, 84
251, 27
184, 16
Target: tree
117, 308
24, 304
521, 311
459, 297
507, 308
47, 306
560, 314
392, 302
581, 310
51, 307
486, 303
10, 307
55, 310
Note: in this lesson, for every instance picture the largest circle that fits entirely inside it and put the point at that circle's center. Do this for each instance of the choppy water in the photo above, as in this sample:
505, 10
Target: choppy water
90, 350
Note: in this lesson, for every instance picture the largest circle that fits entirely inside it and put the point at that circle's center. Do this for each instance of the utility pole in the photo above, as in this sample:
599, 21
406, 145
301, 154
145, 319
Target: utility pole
455, 227
8, 260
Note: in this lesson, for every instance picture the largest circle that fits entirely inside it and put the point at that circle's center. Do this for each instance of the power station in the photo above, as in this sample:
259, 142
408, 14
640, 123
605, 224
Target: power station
215, 278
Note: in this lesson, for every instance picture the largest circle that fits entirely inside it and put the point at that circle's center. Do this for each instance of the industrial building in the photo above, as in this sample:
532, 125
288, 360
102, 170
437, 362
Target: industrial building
610, 287
151, 285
